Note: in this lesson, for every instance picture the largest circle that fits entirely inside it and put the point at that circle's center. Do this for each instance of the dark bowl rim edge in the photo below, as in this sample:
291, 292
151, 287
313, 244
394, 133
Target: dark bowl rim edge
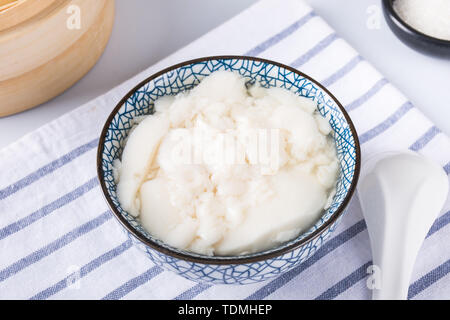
388, 6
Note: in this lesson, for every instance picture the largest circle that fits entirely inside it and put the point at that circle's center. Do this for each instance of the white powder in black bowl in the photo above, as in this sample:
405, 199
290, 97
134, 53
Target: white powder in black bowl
431, 17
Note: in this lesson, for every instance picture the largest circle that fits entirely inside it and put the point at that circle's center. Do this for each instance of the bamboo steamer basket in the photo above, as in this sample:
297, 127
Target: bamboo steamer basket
40, 55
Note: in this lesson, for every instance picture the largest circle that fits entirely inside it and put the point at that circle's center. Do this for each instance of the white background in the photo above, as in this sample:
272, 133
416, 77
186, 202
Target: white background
146, 31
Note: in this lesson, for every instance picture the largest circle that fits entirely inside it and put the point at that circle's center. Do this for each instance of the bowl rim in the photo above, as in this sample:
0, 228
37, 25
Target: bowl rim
388, 6
232, 260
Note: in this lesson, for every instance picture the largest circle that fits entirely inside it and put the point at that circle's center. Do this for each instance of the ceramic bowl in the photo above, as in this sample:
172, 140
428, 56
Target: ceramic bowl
231, 269
412, 37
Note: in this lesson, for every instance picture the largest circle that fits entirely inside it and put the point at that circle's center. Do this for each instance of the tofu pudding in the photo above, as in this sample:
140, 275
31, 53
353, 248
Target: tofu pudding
228, 169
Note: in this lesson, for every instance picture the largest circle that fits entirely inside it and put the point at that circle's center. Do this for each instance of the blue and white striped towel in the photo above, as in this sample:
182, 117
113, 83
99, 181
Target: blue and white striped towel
58, 240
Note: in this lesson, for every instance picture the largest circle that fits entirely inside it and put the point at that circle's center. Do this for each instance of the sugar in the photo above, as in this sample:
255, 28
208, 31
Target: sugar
431, 17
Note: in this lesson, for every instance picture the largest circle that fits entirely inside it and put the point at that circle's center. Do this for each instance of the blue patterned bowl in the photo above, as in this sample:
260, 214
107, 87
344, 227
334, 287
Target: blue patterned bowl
234, 269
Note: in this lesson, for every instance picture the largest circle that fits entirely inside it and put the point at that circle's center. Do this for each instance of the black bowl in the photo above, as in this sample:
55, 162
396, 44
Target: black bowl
412, 37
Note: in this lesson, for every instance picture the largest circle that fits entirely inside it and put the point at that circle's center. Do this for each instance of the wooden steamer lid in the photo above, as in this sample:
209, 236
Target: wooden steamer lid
43, 52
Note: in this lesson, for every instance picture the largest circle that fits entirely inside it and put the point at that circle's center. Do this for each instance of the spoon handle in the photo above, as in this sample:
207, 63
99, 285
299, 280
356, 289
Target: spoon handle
401, 195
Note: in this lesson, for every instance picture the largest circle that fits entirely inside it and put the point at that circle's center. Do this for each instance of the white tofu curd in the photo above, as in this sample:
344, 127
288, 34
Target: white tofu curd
226, 170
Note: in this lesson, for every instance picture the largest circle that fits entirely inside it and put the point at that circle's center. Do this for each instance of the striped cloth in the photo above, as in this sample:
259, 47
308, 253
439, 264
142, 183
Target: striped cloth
59, 241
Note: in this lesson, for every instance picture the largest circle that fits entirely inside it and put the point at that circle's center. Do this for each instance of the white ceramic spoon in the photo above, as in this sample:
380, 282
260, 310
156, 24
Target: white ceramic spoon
401, 194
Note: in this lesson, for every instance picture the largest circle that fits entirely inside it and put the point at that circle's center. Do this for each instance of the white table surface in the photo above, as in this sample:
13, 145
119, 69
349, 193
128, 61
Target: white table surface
135, 45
